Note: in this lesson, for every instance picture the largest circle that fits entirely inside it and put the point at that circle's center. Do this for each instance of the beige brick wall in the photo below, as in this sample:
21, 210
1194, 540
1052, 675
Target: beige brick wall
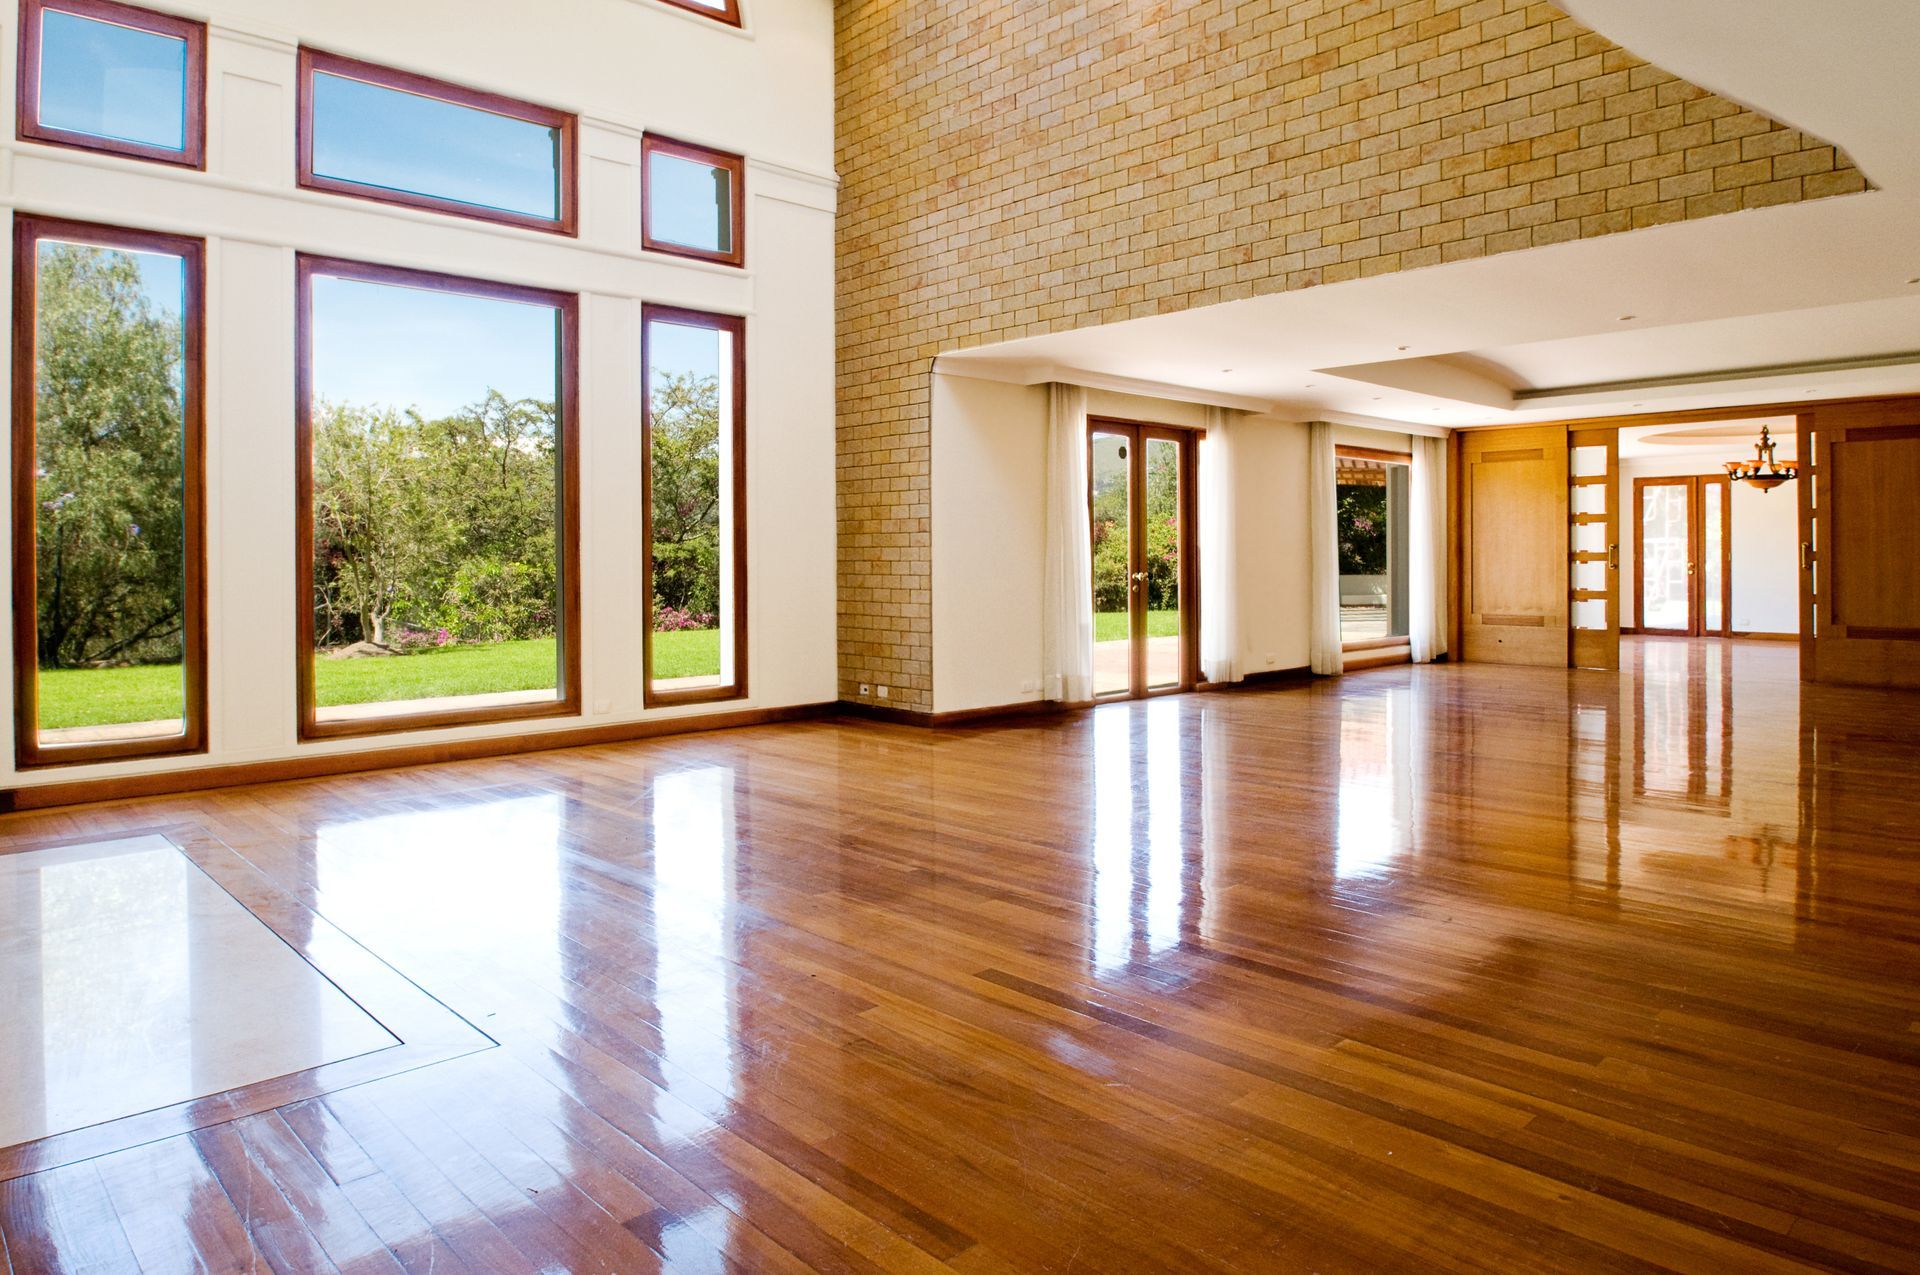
1015, 167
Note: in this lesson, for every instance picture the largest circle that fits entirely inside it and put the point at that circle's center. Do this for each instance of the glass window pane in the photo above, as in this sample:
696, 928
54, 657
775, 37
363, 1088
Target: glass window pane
1590, 498
1163, 562
1590, 613
1590, 576
383, 137
1665, 568
110, 494
689, 202
1590, 537
1371, 529
1587, 462
112, 81
1112, 564
1711, 493
691, 419
436, 500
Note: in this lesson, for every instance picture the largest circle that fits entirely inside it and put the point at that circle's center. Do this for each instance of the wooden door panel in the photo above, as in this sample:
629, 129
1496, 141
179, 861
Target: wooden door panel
1864, 550
1514, 591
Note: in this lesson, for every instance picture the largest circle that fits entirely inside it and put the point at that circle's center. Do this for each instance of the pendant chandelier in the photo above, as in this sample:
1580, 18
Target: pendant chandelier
1763, 471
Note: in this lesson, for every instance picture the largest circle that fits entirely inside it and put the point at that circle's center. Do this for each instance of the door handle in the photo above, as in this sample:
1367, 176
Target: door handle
1689, 568
1806, 556
1613, 557
1139, 575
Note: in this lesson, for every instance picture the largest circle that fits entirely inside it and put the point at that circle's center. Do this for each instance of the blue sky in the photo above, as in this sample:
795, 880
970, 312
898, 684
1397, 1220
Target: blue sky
378, 344
401, 141
112, 81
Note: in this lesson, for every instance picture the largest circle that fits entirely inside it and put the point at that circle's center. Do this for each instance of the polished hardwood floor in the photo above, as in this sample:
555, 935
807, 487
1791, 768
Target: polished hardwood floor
1451, 968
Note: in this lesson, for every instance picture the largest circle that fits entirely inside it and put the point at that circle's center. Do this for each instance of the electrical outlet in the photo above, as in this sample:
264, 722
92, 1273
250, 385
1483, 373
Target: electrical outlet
865, 689
1272, 659
883, 692
1029, 686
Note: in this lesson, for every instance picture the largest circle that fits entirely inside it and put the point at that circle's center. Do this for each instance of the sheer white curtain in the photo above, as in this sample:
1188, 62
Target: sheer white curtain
1427, 551
1066, 615
1219, 607
1323, 552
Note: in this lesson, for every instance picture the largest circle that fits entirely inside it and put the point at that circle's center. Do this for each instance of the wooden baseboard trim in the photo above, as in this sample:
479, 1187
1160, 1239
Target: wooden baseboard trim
1767, 637
317, 766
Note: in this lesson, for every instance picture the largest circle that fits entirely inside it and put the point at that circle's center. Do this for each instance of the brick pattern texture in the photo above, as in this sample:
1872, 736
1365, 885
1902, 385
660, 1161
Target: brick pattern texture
1016, 167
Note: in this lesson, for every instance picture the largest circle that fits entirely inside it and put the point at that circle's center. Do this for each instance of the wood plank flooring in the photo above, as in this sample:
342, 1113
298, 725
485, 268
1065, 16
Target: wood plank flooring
1450, 968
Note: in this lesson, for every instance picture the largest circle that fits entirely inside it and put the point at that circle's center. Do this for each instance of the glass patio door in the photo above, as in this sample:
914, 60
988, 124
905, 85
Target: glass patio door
1140, 483
1682, 584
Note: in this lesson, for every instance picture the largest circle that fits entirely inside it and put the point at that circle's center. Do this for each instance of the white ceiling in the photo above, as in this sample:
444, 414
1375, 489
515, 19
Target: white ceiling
1841, 70
1725, 311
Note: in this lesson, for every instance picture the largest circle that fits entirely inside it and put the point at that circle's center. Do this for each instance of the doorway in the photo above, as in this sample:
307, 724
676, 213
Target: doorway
1682, 566
1140, 491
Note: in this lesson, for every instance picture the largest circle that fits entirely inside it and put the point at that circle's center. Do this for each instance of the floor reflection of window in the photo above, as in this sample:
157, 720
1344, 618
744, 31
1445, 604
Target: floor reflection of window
98, 992
1681, 709
461, 887
693, 817
1376, 785
1141, 800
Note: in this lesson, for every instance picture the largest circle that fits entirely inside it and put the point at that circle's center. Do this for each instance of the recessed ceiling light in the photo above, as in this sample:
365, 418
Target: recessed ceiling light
1307, 386
1403, 347
1376, 398
1628, 318
1225, 370
1913, 281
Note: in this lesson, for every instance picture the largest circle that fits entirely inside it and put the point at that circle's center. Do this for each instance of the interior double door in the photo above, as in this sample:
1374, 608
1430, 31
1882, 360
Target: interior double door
1683, 529
1140, 493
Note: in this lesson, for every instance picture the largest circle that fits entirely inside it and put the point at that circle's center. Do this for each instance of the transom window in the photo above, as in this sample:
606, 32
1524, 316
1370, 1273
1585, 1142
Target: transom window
727, 11
693, 201
400, 138
111, 77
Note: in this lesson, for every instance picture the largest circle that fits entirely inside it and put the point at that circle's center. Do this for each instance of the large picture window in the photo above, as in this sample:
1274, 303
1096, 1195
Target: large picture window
438, 500
695, 485
109, 632
1371, 494
400, 138
693, 201
111, 77
727, 11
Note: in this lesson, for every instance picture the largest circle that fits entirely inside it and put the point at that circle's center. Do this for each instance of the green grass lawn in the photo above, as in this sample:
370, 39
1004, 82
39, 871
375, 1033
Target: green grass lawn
1111, 626
98, 697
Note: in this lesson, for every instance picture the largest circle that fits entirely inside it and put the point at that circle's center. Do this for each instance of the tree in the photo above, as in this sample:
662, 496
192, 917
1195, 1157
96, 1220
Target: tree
1362, 524
111, 527
424, 525
685, 465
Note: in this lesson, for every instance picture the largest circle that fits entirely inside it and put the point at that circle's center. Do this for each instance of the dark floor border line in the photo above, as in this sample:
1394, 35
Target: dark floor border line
164, 783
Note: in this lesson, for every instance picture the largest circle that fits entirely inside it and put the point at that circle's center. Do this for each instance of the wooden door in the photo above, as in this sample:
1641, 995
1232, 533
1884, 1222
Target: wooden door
1513, 566
1683, 555
1593, 547
1140, 492
1860, 544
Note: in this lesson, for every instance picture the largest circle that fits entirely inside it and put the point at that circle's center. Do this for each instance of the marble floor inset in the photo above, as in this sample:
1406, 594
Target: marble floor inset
130, 981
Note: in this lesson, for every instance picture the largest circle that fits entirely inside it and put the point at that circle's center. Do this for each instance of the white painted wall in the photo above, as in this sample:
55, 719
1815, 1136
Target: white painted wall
989, 534
626, 66
1766, 539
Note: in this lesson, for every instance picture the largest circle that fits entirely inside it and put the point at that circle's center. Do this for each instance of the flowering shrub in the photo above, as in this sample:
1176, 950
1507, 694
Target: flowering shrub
677, 619
417, 639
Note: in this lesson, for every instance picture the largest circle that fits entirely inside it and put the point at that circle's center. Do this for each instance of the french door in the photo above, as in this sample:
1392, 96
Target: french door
1683, 532
1140, 494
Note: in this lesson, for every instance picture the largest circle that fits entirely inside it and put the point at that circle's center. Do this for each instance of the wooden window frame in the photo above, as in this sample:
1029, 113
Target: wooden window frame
1695, 485
314, 62
730, 16
736, 617
29, 753
1188, 439
736, 166
28, 126
567, 353
1363, 646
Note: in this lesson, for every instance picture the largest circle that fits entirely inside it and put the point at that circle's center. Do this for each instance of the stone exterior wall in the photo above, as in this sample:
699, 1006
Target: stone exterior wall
1015, 167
